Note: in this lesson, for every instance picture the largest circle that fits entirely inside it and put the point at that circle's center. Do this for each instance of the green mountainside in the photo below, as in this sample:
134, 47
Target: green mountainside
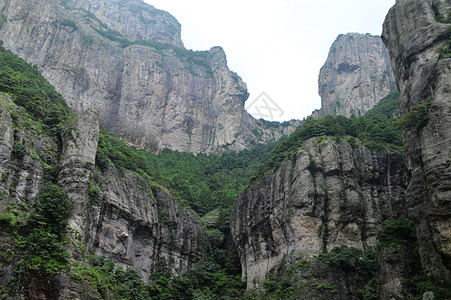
207, 184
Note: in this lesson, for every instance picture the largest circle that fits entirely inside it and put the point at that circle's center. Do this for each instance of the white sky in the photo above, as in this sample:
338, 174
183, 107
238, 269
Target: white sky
277, 47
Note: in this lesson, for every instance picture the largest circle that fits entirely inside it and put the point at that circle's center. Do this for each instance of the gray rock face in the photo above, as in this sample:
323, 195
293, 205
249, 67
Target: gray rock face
80, 139
134, 19
129, 219
140, 226
6, 134
152, 94
330, 195
414, 31
122, 216
355, 76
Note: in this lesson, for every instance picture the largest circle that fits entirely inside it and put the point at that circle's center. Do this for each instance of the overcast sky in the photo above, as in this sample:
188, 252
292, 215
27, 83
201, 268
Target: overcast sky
277, 47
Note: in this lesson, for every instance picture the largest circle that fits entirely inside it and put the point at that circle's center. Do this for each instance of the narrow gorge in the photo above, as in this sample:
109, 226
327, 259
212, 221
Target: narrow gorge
129, 168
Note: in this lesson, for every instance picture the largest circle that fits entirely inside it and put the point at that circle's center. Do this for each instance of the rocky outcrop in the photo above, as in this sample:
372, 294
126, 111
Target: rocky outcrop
125, 59
122, 216
134, 20
140, 225
80, 139
355, 76
331, 194
416, 33
119, 215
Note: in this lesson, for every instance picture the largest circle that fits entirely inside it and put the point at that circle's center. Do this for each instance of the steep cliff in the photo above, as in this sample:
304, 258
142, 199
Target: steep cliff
123, 216
417, 34
355, 76
48, 155
126, 60
329, 194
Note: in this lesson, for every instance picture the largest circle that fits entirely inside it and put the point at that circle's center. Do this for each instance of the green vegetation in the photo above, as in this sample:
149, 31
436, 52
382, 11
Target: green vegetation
44, 238
28, 89
275, 124
399, 231
387, 108
440, 17
39, 239
69, 23
107, 279
417, 118
376, 130
203, 183
199, 181
400, 235
360, 265
214, 278
38, 231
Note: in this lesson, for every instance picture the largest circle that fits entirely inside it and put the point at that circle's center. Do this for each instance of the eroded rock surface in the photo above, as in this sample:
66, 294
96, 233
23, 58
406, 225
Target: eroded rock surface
355, 76
122, 216
126, 60
331, 195
414, 32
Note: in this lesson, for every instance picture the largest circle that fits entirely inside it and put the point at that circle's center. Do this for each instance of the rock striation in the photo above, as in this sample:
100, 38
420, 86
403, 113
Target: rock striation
355, 76
332, 194
126, 60
124, 217
417, 34
118, 215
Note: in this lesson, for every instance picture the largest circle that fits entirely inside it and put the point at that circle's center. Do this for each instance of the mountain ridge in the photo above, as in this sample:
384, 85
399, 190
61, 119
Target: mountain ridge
154, 94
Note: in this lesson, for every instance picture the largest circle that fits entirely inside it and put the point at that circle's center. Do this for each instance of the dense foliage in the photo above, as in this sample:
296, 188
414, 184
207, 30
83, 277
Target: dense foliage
43, 243
202, 182
214, 278
417, 118
39, 239
29, 89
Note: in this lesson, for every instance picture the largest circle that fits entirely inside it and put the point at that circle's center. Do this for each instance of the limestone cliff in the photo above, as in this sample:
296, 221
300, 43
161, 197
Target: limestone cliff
332, 194
123, 216
417, 34
126, 60
119, 215
355, 76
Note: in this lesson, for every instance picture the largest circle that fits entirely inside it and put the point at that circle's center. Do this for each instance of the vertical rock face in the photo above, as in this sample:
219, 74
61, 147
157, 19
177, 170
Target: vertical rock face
416, 33
139, 225
123, 216
119, 215
80, 140
134, 19
355, 76
330, 195
6, 134
126, 60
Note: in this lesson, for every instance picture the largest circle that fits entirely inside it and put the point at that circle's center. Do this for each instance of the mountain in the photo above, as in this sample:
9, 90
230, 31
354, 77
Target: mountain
327, 190
417, 34
355, 76
339, 211
126, 60
51, 180
343, 208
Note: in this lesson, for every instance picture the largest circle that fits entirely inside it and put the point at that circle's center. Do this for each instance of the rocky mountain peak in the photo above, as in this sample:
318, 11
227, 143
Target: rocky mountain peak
355, 76
126, 60
218, 56
133, 19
